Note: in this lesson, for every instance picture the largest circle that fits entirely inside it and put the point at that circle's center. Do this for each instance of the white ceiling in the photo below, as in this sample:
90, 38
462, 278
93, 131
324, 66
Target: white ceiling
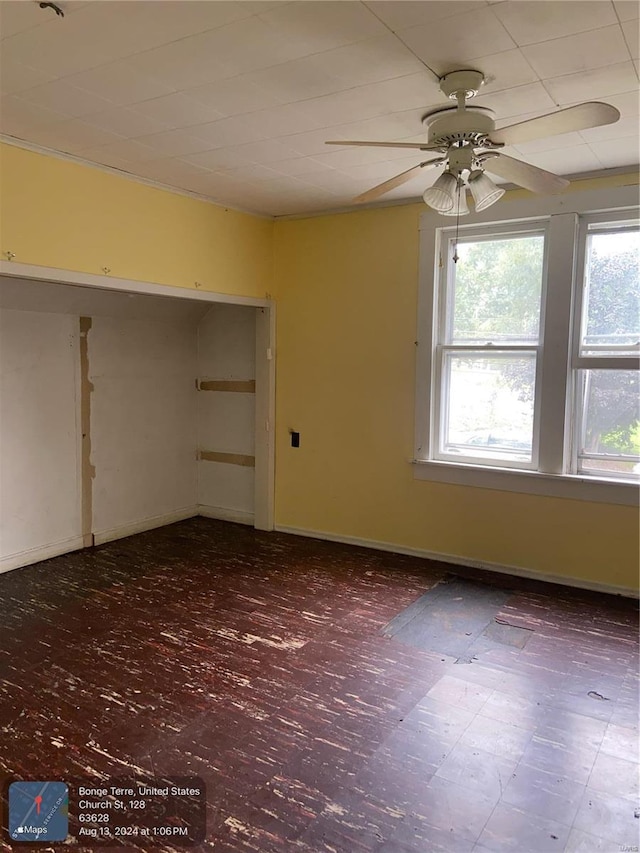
234, 100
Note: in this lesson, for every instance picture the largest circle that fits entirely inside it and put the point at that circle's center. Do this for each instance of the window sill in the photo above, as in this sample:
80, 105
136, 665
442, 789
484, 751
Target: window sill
570, 486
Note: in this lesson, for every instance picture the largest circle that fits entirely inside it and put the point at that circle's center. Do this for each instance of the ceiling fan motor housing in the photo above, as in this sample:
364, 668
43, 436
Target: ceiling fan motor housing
461, 126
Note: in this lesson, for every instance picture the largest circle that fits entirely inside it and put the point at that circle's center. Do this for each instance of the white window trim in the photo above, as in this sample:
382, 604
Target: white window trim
561, 213
444, 244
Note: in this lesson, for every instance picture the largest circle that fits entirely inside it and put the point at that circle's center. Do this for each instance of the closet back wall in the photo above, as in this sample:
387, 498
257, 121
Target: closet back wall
133, 375
143, 423
40, 510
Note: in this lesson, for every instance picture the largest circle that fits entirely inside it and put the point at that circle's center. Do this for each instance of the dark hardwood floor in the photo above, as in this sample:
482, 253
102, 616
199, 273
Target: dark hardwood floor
257, 662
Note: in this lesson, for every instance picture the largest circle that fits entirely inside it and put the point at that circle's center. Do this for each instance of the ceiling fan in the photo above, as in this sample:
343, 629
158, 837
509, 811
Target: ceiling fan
468, 144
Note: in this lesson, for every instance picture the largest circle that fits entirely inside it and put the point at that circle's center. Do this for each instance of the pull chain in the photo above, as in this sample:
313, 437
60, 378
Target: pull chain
455, 242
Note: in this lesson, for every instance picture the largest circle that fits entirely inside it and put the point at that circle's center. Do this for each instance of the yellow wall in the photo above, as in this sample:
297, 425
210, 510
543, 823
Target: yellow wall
57, 213
346, 287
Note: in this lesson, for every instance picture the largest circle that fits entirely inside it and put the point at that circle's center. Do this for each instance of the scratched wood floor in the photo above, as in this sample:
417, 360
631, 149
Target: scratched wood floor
256, 661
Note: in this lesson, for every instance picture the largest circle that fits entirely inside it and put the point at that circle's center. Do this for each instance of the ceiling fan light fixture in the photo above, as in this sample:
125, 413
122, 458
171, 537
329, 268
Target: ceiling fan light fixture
441, 196
460, 206
484, 191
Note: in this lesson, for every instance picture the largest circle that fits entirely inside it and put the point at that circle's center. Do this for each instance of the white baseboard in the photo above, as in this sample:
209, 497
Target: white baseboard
239, 516
43, 552
102, 536
463, 561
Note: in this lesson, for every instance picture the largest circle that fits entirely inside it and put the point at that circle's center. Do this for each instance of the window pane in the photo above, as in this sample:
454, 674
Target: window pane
612, 293
496, 288
488, 403
610, 425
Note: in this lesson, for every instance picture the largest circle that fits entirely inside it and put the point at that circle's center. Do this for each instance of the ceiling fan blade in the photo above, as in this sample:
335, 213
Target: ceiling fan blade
580, 117
397, 181
421, 146
525, 175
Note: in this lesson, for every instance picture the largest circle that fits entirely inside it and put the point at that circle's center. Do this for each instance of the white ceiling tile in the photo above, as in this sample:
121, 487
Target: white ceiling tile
72, 136
129, 150
628, 103
219, 158
617, 152
512, 102
627, 10
183, 64
395, 127
298, 80
336, 182
352, 155
216, 183
282, 120
177, 110
370, 61
246, 45
125, 122
251, 172
548, 143
417, 91
582, 52
631, 32
256, 7
16, 16
66, 45
235, 95
313, 142
533, 21
298, 166
18, 115
230, 131
401, 14
65, 98
172, 171
174, 143
503, 70
266, 151
119, 82
566, 161
592, 85
322, 26
15, 77
147, 25
168, 21
458, 39
235, 101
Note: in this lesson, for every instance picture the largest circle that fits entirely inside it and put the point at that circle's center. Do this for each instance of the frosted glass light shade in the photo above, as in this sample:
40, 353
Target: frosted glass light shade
460, 206
484, 191
442, 194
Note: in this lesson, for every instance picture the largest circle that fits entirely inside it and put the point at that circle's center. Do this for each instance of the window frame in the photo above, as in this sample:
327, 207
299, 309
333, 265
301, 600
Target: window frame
610, 222
445, 240
564, 215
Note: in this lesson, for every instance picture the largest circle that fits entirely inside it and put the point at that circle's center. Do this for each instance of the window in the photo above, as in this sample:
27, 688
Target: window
488, 347
528, 355
607, 401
